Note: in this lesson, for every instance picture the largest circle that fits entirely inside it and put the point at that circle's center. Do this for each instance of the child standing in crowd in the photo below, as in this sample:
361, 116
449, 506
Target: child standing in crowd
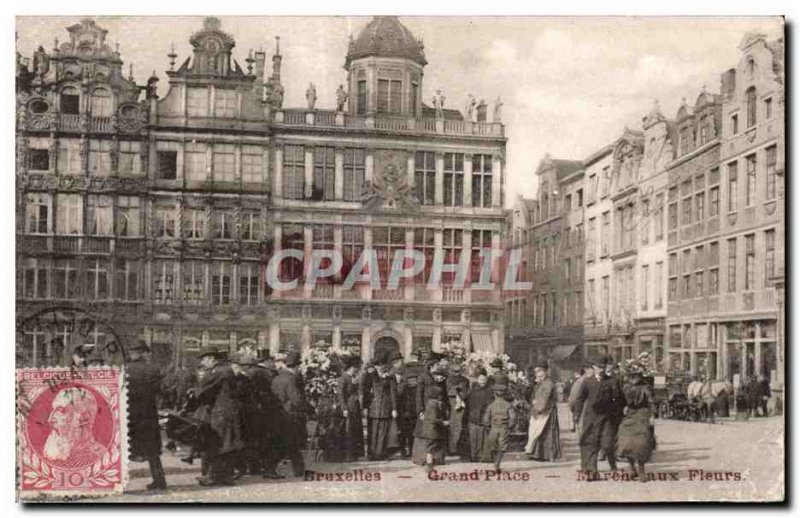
499, 416
434, 429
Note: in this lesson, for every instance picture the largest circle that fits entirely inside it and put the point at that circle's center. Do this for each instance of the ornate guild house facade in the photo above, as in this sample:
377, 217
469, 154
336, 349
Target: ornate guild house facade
157, 217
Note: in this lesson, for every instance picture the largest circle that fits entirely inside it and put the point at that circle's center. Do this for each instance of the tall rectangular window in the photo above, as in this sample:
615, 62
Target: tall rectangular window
769, 257
130, 161
129, 216
293, 237
164, 221
750, 95
294, 170
772, 160
65, 279
425, 243
196, 161
750, 261
37, 213
644, 282
686, 206
768, 108
389, 96
733, 187
224, 163
352, 246
194, 222
252, 164
731, 265
453, 179
606, 296
251, 225
99, 157
698, 285
713, 281
713, 195
482, 181
38, 154
425, 176
223, 224
221, 283
197, 102
386, 241
605, 235
481, 240
361, 98
414, 99
673, 216
658, 217
452, 244
100, 220
657, 286
324, 172
69, 214
97, 279
69, 156
354, 170
127, 278
248, 284
167, 165
700, 206
734, 124
163, 282
33, 278
193, 275
751, 180
225, 103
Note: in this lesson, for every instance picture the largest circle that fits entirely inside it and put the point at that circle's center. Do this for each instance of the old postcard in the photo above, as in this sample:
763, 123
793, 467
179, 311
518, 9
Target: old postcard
400, 259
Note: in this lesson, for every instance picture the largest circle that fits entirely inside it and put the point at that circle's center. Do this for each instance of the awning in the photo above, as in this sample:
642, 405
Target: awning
562, 352
482, 342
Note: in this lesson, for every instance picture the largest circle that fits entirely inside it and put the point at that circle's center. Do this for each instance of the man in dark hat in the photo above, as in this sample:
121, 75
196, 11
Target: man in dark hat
599, 399
144, 434
580, 376
479, 397
225, 439
457, 387
288, 391
381, 402
261, 373
406, 407
247, 395
435, 376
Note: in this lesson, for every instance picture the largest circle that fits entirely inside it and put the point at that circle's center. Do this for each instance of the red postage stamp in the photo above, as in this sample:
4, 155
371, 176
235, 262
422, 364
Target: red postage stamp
72, 436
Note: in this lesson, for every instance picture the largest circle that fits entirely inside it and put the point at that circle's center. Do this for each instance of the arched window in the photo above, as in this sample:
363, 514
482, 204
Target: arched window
750, 95
101, 103
70, 101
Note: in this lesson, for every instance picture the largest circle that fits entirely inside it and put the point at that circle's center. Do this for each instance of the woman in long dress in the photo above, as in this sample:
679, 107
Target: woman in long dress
635, 438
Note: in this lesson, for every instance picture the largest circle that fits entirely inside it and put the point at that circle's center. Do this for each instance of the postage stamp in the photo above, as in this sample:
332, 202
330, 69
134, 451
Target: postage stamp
70, 429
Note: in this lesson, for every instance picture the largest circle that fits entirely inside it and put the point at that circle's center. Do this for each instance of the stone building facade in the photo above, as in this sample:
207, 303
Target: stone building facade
160, 216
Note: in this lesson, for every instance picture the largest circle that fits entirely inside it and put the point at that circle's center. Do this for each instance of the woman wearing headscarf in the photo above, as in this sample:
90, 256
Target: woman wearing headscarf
634, 437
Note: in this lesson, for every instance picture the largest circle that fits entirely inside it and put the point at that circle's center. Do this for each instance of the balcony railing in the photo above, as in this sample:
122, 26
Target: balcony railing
70, 122
100, 124
327, 118
452, 295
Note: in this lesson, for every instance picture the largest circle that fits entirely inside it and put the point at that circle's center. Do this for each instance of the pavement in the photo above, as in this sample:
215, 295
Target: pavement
728, 461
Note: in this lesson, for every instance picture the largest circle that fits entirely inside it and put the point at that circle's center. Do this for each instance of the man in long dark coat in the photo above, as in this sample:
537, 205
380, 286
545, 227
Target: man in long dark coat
261, 375
225, 437
349, 443
457, 387
288, 390
599, 401
381, 403
406, 408
144, 382
479, 398
434, 377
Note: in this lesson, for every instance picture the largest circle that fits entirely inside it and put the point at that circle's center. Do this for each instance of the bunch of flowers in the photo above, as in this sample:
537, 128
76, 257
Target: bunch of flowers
496, 366
321, 370
643, 364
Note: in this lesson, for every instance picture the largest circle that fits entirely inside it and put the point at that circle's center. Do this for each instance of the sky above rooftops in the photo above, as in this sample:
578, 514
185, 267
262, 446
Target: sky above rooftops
569, 85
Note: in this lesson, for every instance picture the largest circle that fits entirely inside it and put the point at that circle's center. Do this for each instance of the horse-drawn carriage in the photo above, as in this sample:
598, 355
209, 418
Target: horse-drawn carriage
678, 397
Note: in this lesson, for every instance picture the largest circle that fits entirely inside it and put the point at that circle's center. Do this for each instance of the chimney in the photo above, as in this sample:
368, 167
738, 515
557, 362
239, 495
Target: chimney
728, 83
261, 59
276, 61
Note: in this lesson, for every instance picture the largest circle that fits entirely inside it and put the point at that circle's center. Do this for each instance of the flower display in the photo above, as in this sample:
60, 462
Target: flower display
496, 366
321, 369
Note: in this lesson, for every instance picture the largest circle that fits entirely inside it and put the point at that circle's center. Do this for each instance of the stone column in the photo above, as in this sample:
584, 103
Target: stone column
369, 166
308, 247
277, 179
410, 165
274, 338
336, 346
305, 340
339, 174
408, 341
468, 180
439, 191
438, 247
407, 284
466, 248
309, 173
366, 343
337, 247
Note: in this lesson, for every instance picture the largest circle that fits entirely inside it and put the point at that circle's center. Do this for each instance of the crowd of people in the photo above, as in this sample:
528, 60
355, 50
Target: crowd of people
246, 414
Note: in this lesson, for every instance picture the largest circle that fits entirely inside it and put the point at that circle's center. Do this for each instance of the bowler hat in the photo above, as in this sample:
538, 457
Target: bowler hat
600, 361
541, 365
263, 354
213, 351
392, 356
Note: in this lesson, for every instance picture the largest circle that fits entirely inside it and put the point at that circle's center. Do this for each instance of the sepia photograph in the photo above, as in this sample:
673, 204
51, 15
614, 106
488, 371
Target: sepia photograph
400, 259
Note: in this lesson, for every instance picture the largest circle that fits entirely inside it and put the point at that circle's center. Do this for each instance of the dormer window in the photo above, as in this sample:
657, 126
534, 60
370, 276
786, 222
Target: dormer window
70, 101
361, 98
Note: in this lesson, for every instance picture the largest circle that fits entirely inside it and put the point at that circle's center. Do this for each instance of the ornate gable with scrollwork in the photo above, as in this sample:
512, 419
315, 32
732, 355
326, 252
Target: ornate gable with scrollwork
627, 160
